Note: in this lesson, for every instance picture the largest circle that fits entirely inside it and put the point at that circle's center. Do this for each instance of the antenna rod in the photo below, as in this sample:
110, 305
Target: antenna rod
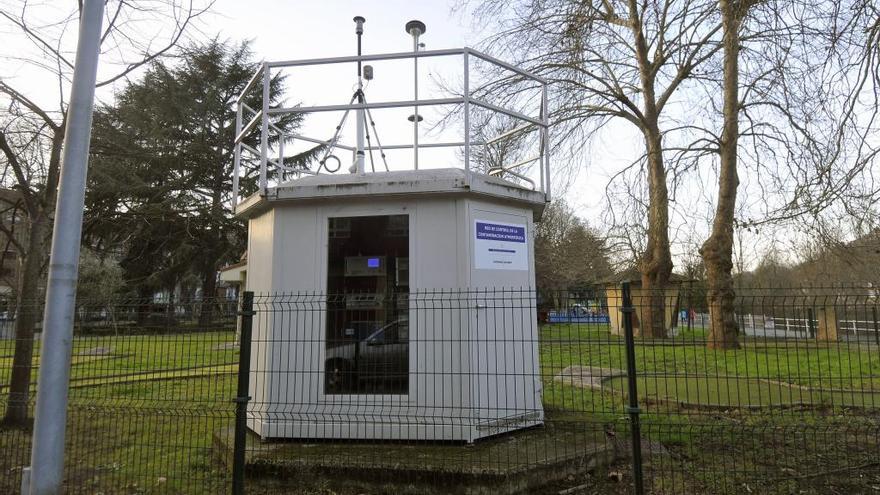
359, 31
359, 154
415, 29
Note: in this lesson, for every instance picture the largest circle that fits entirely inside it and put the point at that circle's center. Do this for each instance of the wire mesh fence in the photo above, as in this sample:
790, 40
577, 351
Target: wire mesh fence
791, 409
481, 391
538, 387
150, 381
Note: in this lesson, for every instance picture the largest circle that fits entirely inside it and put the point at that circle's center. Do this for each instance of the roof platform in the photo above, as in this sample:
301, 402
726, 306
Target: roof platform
445, 182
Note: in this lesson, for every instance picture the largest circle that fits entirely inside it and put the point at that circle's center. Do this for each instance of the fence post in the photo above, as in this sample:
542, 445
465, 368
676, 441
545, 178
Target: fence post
876, 326
242, 397
690, 306
810, 327
633, 407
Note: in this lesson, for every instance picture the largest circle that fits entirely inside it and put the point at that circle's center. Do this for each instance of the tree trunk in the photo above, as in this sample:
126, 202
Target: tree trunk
144, 304
28, 301
212, 258
209, 288
717, 251
656, 263
26, 316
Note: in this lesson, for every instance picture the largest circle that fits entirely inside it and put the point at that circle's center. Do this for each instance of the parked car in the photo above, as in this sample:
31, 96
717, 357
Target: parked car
377, 364
579, 310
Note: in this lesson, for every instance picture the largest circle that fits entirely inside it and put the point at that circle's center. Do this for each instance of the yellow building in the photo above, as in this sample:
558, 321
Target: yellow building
640, 299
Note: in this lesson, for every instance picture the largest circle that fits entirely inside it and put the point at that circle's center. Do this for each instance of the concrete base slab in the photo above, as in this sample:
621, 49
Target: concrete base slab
513, 463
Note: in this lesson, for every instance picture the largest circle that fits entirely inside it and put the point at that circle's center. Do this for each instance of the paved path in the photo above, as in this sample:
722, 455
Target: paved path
587, 376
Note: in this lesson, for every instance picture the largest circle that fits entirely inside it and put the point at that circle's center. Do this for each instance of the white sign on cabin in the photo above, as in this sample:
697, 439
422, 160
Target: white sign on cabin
500, 246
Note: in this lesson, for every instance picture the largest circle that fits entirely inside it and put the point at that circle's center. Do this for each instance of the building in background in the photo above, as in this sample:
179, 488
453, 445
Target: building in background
233, 278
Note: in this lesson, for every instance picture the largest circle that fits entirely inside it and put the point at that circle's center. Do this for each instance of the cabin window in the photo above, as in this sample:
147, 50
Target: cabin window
367, 334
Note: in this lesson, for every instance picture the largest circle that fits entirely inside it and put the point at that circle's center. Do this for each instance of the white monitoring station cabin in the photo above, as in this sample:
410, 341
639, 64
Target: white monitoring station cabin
393, 292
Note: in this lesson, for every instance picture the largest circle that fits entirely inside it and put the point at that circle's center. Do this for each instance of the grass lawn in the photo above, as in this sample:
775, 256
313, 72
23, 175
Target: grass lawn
139, 437
97, 358
143, 408
142, 412
728, 392
822, 446
805, 363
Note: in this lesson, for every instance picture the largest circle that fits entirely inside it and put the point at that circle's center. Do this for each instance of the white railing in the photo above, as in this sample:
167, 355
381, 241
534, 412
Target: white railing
248, 119
801, 328
858, 328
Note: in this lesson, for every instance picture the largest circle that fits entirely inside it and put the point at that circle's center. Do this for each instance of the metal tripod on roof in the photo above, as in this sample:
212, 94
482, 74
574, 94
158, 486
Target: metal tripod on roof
364, 118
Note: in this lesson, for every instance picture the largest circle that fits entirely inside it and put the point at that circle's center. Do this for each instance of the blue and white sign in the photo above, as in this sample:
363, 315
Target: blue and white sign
500, 246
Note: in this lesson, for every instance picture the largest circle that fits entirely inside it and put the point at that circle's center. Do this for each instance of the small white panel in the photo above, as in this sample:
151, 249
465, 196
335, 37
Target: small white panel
500, 246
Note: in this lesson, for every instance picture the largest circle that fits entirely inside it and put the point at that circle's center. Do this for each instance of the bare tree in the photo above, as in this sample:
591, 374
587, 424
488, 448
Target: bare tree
614, 60
797, 74
799, 112
809, 77
502, 148
717, 251
568, 253
32, 128
11, 218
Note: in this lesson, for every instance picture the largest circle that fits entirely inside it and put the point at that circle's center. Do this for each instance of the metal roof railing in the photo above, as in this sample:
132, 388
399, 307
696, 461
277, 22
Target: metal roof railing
248, 119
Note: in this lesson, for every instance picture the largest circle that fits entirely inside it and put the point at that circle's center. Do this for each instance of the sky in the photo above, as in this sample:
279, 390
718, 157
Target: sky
295, 30
298, 30
311, 29
288, 30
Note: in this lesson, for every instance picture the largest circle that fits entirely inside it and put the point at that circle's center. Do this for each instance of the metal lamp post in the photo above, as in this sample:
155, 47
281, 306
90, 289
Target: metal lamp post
47, 456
